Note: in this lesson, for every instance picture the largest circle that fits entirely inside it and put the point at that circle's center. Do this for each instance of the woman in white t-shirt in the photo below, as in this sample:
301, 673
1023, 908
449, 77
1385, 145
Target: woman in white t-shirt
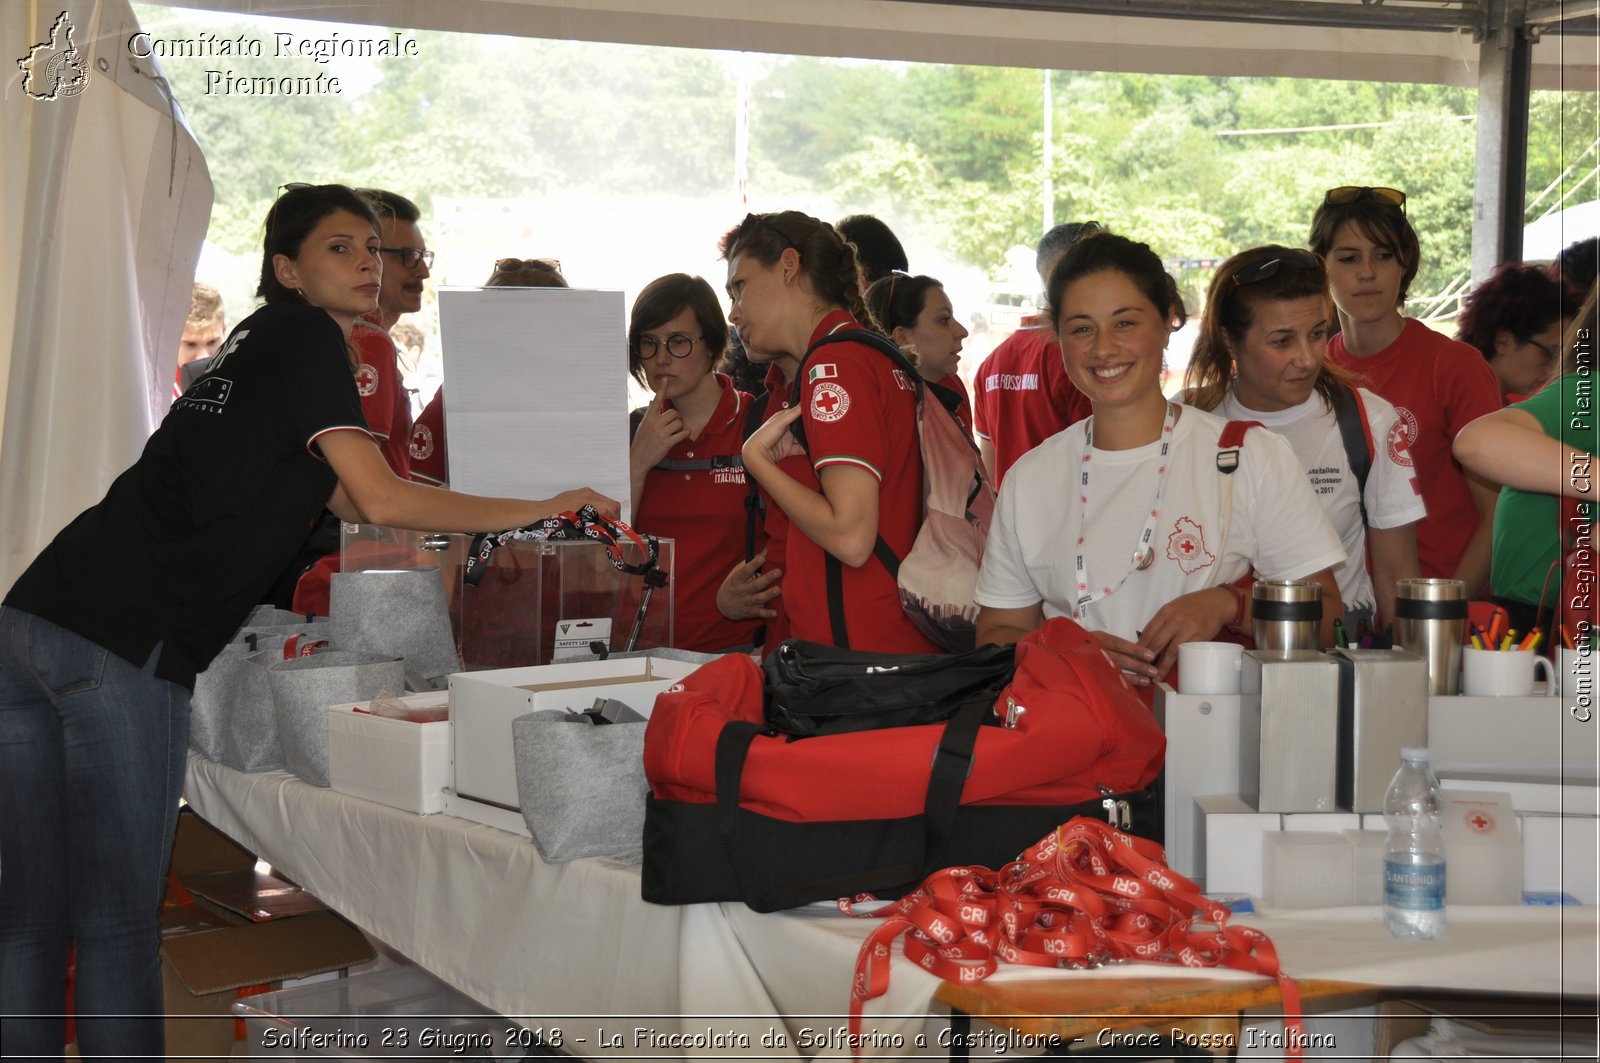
1262, 356
1124, 521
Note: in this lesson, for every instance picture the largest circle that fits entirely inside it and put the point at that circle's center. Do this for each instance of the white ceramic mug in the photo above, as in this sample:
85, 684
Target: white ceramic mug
1575, 672
1503, 673
1209, 667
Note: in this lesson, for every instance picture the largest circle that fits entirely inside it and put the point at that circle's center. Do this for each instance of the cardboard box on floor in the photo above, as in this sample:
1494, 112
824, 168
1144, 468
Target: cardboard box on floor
209, 953
1406, 1017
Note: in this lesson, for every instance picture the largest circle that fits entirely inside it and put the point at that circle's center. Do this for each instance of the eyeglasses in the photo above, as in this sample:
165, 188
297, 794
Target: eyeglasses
762, 222
678, 345
294, 186
514, 265
1549, 352
1355, 193
410, 257
1268, 266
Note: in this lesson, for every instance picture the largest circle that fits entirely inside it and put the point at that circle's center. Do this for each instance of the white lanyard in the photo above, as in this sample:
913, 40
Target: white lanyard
1144, 554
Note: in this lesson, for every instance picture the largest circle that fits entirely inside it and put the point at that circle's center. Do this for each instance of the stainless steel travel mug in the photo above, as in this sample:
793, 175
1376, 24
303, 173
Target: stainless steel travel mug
1287, 613
1431, 621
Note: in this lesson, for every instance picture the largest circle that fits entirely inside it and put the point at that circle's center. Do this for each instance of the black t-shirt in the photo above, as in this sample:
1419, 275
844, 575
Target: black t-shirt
186, 541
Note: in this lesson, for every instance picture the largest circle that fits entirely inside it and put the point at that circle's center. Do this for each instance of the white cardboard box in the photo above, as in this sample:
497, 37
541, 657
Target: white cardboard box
1562, 853
1482, 848
1202, 758
393, 762
1306, 869
1232, 834
1531, 736
483, 704
1321, 821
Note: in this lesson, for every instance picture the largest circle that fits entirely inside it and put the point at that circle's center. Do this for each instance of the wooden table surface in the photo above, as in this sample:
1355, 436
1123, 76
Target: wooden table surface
1082, 1006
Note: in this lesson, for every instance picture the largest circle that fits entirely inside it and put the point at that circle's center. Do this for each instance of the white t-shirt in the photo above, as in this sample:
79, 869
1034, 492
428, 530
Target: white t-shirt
1392, 495
1276, 525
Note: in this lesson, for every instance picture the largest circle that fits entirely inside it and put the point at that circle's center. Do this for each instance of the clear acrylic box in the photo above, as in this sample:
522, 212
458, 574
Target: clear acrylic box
537, 603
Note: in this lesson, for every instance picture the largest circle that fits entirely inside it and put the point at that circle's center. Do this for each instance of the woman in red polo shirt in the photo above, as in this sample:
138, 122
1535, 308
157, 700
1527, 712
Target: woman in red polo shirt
687, 477
793, 282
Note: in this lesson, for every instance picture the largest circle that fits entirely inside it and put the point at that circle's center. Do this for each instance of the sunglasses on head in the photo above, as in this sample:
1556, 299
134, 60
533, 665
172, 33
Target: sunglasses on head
1355, 193
760, 221
1259, 269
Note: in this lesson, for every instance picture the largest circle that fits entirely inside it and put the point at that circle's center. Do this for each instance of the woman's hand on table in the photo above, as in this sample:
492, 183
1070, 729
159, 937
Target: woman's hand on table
1137, 662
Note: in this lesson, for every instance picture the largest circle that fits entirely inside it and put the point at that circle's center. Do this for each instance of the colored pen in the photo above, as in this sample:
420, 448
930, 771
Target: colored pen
1510, 639
1339, 638
1532, 641
1476, 634
1566, 638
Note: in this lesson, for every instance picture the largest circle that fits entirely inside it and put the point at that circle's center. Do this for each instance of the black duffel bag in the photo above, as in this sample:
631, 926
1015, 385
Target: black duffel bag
812, 688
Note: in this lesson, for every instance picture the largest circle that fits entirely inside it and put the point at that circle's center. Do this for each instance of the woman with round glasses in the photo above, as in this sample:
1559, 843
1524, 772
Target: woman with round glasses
1515, 320
916, 313
1436, 384
1123, 521
793, 282
687, 476
1261, 355
99, 648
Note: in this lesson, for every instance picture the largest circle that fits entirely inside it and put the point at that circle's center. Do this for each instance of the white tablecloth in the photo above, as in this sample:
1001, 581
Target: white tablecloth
575, 943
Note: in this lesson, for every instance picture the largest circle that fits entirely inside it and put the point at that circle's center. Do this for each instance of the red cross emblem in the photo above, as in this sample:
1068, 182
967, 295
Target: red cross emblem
366, 379
1480, 822
829, 401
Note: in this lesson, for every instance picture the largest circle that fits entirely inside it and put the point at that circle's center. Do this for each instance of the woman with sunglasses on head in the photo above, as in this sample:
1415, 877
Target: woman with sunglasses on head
916, 313
1261, 355
1542, 449
1515, 320
99, 648
687, 475
1436, 384
793, 282
430, 451
1123, 521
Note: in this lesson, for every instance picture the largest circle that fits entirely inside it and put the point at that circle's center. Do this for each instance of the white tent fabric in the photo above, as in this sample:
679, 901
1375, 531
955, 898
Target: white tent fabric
104, 200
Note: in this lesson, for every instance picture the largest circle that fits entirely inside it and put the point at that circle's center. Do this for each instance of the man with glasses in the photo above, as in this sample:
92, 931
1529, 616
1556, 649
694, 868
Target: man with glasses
1021, 395
406, 259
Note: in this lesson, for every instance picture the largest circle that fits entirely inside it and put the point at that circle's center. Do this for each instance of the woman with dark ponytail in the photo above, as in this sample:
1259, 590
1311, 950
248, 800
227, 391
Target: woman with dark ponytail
916, 313
1125, 521
794, 282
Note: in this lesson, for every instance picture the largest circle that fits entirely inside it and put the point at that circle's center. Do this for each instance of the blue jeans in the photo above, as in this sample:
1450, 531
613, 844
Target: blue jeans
92, 753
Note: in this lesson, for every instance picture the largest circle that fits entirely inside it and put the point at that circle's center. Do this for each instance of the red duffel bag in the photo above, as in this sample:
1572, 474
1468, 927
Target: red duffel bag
739, 812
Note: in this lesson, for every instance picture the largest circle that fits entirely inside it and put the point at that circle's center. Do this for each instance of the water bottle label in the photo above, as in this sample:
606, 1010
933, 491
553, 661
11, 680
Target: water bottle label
1414, 888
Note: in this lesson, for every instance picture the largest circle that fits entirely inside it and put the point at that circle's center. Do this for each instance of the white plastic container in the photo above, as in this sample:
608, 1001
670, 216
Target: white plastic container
399, 1013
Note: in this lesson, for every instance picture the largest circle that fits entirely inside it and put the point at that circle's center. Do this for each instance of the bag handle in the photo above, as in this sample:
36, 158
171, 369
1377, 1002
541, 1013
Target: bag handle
947, 775
1082, 896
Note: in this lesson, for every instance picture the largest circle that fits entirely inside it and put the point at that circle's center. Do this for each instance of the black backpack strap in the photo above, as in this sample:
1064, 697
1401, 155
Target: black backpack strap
952, 763
753, 503
720, 461
635, 419
1351, 414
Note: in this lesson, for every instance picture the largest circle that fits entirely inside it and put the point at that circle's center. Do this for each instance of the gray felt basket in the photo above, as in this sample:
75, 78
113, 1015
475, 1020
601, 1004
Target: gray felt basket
581, 787
230, 714
400, 612
302, 690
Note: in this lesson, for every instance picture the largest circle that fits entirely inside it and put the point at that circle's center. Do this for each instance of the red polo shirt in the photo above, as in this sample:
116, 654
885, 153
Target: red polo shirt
383, 394
430, 457
860, 412
702, 510
1023, 396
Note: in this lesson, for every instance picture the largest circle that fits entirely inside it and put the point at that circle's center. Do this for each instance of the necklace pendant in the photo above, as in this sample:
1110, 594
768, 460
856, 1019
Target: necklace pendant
1144, 558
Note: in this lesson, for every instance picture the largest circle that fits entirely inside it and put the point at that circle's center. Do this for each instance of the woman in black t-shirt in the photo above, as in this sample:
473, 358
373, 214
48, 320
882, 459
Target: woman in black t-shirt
101, 637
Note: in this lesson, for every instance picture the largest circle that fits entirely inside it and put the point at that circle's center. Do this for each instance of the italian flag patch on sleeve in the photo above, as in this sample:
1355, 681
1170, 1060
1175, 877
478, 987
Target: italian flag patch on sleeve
825, 371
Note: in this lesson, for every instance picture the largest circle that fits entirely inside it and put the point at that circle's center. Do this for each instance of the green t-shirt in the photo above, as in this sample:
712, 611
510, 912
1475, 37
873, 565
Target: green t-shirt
1527, 532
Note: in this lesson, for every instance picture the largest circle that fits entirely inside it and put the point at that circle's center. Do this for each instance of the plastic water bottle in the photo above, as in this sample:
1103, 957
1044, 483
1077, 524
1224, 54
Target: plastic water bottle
1413, 857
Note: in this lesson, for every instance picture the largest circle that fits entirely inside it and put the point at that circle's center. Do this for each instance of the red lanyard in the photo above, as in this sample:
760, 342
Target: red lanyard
1082, 896
1144, 554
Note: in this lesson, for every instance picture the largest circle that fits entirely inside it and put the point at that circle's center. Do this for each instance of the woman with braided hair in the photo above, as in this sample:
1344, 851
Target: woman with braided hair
796, 292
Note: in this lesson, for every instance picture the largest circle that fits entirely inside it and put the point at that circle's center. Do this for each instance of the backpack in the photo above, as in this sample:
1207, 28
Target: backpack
938, 576
1356, 433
